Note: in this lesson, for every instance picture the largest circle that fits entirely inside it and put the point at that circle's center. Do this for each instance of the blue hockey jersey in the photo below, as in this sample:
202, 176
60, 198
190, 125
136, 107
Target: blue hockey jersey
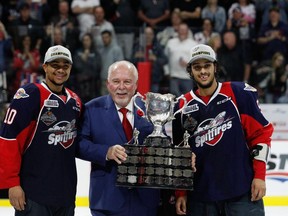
223, 132
37, 145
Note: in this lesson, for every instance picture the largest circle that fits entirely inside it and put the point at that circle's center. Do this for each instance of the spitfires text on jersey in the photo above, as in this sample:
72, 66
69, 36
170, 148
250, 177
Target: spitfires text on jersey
63, 133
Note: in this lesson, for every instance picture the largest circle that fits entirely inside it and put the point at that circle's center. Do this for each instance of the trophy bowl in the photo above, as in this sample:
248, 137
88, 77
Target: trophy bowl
159, 110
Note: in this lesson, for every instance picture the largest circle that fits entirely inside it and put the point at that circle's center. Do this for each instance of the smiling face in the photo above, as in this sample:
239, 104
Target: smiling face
57, 73
203, 73
122, 82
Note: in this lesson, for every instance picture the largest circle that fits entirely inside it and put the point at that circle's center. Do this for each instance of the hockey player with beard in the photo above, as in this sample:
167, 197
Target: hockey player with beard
231, 139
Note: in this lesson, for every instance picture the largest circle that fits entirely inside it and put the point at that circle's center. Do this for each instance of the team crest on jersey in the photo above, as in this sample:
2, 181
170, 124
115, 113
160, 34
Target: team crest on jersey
51, 103
62, 133
211, 130
21, 93
48, 118
249, 88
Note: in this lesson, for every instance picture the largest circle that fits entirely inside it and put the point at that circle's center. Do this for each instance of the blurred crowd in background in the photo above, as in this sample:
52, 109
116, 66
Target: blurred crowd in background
249, 37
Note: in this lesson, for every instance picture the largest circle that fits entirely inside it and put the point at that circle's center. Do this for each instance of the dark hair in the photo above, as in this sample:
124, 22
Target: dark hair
274, 8
208, 19
22, 38
106, 32
91, 38
23, 5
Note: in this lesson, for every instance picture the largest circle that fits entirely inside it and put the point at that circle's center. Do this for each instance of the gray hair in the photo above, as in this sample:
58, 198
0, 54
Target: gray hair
123, 62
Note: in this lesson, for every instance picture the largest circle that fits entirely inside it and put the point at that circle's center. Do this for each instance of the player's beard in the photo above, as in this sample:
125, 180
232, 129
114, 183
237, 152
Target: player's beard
58, 84
205, 86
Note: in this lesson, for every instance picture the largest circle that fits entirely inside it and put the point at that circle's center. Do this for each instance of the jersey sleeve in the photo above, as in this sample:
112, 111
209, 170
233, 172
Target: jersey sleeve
16, 132
258, 130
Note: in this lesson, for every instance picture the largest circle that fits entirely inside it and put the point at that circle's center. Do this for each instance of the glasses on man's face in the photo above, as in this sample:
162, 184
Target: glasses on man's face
57, 66
198, 67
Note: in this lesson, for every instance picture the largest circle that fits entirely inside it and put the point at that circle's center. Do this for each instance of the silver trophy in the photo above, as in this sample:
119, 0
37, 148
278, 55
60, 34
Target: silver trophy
156, 163
159, 111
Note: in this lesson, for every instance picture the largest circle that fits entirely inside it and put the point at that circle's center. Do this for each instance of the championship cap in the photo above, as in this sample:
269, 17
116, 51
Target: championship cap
56, 52
202, 51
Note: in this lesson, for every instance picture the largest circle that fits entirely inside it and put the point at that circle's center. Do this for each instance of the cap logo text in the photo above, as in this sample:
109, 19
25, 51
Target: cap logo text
59, 53
201, 52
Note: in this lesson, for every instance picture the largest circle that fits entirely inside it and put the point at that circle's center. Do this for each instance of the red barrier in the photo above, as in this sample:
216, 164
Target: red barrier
144, 79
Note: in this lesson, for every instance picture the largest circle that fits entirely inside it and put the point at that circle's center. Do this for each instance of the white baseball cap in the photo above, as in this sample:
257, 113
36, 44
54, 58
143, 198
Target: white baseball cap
56, 52
202, 51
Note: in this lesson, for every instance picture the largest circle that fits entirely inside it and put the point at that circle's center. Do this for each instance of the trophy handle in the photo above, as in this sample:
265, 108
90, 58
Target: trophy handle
184, 105
138, 94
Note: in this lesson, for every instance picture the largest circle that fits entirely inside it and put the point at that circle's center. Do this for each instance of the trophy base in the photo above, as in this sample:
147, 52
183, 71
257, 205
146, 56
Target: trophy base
157, 141
156, 167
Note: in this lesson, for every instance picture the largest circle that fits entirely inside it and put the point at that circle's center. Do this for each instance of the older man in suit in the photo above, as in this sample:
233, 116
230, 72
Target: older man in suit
101, 141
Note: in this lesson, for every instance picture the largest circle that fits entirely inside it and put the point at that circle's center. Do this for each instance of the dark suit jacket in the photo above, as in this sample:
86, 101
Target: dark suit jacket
102, 128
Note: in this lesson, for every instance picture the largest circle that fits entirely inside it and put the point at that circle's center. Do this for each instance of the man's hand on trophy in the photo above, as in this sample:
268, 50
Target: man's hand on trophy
193, 162
117, 153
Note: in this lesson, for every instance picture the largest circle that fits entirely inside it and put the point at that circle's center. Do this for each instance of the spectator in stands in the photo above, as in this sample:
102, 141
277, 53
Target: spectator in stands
83, 9
244, 30
39, 10
248, 11
190, 12
178, 51
68, 24
263, 7
239, 24
100, 25
6, 57
216, 13
52, 37
171, 31
6, 49
233, 60
9, 12
87, 63
26, 25
206, 32
26, 63
271, 78
123, 15
110, 53
273, 36
149, 50
216, 43
154, 13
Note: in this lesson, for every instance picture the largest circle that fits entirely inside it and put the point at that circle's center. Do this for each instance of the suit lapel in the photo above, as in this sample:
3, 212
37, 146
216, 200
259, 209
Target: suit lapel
113, 118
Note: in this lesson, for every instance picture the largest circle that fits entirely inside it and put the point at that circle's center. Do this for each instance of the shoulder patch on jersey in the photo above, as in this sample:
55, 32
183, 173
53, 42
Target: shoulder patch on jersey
249, 88
21, 93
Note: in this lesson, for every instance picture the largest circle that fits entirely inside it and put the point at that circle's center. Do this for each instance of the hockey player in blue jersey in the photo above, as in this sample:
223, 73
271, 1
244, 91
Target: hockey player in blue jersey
37, 157
231, 139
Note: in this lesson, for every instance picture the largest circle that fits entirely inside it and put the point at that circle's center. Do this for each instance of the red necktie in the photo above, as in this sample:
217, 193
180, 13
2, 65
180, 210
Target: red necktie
126, 124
